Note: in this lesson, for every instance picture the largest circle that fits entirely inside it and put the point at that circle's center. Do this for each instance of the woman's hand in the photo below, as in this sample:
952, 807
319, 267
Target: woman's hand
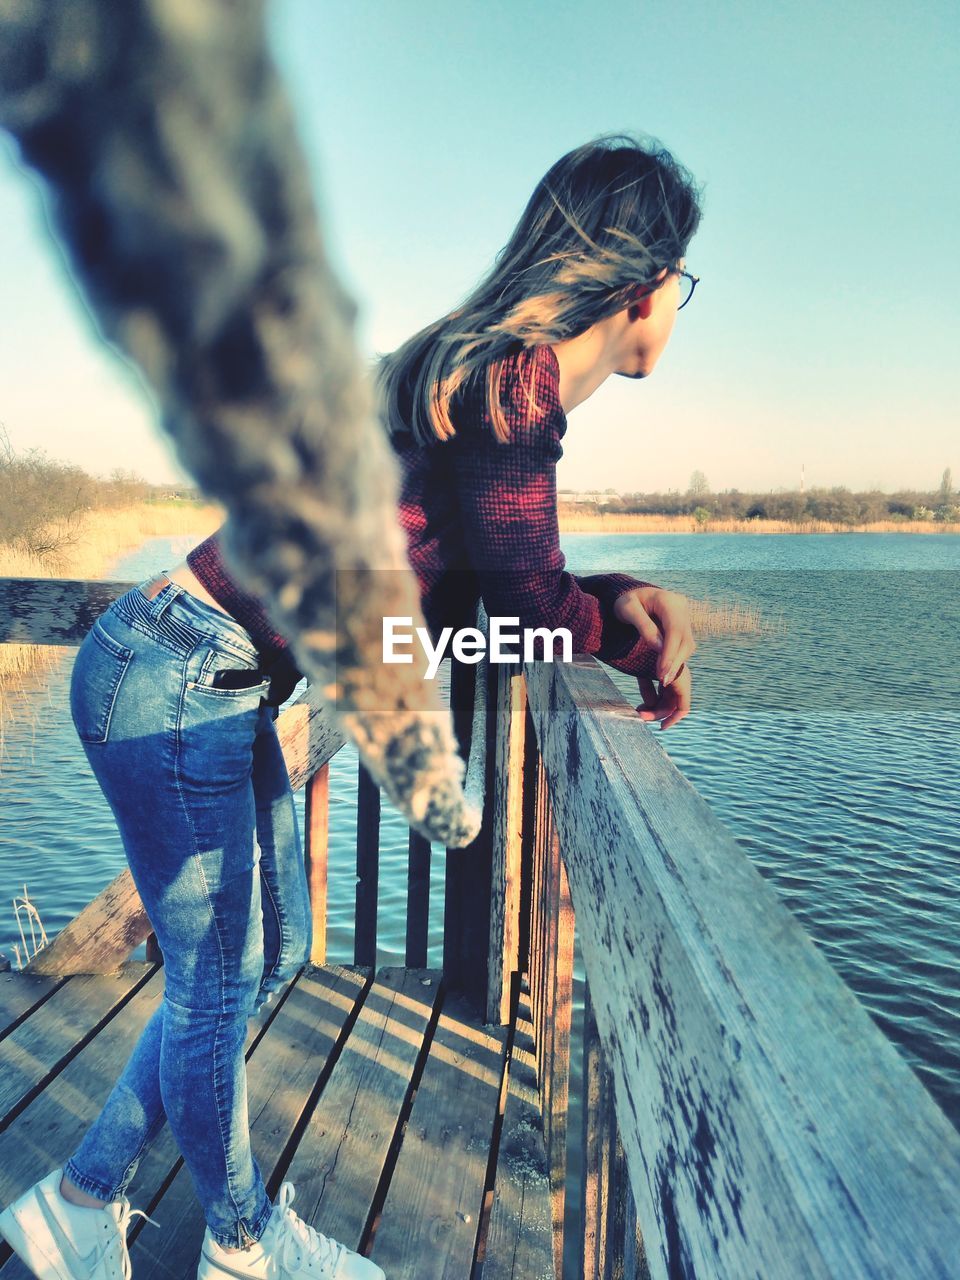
645, 608
671, 704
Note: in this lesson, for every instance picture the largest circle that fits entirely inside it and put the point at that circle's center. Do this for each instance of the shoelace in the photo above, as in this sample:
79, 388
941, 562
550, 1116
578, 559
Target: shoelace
299, 1238
123, 1221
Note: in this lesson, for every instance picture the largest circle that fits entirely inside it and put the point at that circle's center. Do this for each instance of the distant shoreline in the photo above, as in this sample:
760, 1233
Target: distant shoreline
615, 523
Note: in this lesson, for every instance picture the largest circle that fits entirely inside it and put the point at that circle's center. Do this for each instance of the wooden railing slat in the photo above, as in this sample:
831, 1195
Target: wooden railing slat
594, 1170
531, 768
504, 957
418, 900
316, 857
368, 867
551, 853
466, 903
559, 1052
611, 1246
537, 915
544, 993
309, 737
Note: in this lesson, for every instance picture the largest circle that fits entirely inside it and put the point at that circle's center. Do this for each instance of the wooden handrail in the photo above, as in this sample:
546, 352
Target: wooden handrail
767, 1124
56, 611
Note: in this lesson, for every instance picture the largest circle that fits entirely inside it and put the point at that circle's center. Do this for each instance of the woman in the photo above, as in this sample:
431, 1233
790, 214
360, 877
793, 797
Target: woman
175, 691
589, 284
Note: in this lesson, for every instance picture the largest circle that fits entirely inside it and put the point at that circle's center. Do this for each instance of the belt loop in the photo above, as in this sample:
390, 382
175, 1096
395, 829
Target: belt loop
158, 592
166, 597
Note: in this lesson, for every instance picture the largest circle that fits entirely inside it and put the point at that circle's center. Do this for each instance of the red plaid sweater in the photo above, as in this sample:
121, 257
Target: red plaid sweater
481, 520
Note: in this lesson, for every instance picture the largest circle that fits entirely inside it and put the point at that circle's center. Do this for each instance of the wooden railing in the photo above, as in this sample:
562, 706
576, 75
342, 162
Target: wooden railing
738, 1101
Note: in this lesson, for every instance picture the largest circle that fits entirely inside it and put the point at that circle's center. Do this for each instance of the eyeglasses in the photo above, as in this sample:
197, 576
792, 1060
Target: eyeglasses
688, 283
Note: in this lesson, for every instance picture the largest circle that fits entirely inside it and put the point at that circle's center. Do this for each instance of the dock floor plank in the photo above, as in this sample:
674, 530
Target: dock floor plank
19, 993
519, 1244
161, 1157
428, 1225
378, 1098
338, 1164
43, 1043
282, 1072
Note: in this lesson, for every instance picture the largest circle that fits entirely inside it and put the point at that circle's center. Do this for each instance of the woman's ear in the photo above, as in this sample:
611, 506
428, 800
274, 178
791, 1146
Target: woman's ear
640, 308
642, 304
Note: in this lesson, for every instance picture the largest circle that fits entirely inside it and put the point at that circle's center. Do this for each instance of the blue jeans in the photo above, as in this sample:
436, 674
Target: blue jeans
197, 783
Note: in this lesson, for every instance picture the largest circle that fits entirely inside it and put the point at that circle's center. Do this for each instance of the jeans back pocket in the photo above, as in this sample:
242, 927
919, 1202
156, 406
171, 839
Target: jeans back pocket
231, 674
98, 671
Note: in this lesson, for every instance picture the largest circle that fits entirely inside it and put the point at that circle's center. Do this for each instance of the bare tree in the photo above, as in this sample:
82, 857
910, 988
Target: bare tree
699, 486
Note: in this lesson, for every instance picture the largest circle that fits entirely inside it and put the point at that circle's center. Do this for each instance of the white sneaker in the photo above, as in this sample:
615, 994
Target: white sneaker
63, 1241
289, 1247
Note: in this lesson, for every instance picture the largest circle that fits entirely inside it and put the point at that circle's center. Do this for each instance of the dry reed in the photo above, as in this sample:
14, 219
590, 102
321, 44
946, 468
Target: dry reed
641, 522
711, 619
94, 543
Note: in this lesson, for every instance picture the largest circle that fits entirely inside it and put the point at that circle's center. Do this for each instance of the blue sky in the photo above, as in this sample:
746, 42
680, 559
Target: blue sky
823, 332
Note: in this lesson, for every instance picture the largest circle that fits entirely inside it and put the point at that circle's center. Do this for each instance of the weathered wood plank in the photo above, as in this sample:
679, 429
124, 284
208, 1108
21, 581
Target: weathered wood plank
316, 857
418, 900
630, 1252
519, 1243
368, 867
531, 770
598, 1129
769, 1126
101, 937
19, 993
591, 1188
285, 1068
537, 912
428, 1229
466, 912
558, 1052
543, 1029
543, 991
345, 1145
56, 611
308, 736
50, 1128
507, 836
46, 1041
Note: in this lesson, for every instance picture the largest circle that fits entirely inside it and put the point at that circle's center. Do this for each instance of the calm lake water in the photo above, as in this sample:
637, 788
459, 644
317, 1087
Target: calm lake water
829, 746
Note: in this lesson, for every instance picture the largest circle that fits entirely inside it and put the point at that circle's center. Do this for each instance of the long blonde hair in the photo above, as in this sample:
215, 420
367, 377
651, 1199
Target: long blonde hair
605, 220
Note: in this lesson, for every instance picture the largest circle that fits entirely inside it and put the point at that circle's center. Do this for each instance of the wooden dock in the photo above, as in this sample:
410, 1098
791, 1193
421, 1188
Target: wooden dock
381, 1098
743, 1116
